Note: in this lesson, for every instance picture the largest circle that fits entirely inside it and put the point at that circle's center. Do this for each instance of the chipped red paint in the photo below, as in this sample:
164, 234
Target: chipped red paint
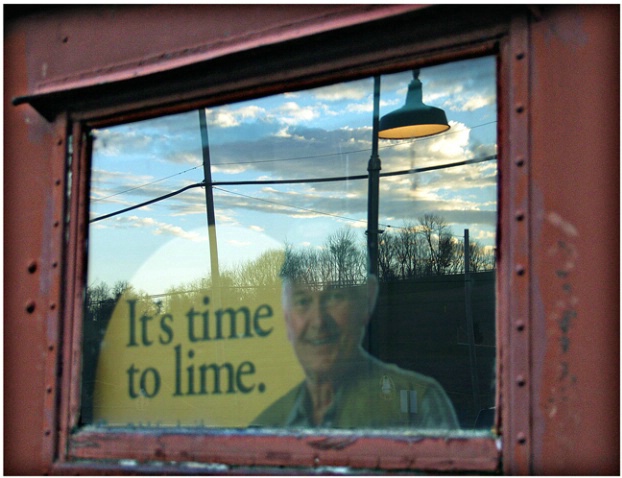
443, 454
558, 287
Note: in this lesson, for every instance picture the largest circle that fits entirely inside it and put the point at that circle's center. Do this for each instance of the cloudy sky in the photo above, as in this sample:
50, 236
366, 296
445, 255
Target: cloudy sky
320, 133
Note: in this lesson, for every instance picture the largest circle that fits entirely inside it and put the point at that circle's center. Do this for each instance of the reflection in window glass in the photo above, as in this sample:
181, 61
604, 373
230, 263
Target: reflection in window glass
249, 303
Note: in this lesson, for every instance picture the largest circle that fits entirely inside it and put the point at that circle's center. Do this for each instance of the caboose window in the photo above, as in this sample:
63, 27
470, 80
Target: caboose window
230, 283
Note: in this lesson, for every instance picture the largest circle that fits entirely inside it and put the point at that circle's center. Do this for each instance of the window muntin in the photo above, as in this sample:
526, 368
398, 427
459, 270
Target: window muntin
304, 136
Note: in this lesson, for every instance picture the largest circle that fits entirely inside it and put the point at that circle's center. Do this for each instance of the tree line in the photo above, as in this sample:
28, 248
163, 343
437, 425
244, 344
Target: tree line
428, 248
422, 249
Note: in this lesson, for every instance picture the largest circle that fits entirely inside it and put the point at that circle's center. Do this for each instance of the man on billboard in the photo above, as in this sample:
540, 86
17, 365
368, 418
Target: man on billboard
344, 386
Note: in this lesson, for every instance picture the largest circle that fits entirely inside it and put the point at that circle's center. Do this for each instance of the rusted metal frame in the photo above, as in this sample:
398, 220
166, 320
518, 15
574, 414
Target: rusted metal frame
451, 454
337, 46
73, 281
291, 450
343, 16
514, 296
244, 87
52, 265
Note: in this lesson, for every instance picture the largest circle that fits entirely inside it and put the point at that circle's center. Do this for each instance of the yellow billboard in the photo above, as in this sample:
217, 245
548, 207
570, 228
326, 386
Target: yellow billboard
211, 357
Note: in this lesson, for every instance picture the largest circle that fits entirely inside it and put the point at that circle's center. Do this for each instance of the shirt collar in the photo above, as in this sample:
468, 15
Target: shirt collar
300, 415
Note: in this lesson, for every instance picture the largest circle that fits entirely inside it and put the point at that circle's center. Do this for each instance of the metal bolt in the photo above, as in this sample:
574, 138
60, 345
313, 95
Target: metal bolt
521, 438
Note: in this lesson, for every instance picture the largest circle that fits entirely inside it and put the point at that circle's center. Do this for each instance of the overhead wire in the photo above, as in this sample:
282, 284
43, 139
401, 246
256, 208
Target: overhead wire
144, 185
216, 184
297, 158
298, 208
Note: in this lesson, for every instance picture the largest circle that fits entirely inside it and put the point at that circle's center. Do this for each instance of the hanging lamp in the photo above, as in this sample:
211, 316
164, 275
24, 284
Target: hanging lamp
415, 119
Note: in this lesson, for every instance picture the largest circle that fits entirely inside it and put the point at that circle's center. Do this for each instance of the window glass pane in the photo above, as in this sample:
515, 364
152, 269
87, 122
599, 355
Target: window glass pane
250, 303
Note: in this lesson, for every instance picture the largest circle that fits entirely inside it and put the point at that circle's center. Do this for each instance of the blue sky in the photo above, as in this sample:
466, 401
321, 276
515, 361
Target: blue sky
324, 132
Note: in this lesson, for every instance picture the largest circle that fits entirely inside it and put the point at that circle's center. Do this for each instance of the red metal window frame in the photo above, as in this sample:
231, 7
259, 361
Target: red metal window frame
121, 450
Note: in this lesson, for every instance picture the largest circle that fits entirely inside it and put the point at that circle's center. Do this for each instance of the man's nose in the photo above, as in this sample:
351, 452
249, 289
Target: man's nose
318, 313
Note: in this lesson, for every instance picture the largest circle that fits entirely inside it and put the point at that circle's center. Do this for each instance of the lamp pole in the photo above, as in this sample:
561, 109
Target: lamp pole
373, 200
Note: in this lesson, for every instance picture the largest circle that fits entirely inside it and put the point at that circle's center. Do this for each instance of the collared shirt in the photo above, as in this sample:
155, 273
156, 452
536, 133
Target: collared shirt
375, 395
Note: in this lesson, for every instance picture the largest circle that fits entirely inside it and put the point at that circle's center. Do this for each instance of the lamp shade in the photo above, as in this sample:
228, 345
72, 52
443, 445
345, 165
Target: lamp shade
415, 119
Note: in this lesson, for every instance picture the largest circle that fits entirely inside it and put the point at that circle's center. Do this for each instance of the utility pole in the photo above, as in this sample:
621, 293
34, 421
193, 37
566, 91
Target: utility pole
209, 201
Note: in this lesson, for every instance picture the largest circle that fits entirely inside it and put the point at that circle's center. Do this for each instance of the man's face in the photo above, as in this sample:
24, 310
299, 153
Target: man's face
325, 327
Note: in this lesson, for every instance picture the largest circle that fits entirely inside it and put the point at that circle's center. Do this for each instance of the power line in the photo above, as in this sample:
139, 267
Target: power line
146, 203
292, 207
293, 181
143, 185
298, 158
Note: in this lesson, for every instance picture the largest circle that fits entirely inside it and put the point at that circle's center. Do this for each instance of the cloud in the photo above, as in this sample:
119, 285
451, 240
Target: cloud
110, 187
292, 113
111, 141
229, 117
156, 227
368, 106
185, 158
232, 169
355, 90
297, 152
283, 133
469, 102
223, 119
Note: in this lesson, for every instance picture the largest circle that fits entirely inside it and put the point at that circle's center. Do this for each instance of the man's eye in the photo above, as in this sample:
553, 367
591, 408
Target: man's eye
302, 302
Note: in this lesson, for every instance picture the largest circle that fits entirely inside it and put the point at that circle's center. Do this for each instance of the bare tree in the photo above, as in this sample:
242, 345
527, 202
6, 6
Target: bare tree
347, 260
480, 259
411, 252
441, 246
387, 267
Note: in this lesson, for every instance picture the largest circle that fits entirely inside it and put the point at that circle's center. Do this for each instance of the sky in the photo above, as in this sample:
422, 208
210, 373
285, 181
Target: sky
320, 133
